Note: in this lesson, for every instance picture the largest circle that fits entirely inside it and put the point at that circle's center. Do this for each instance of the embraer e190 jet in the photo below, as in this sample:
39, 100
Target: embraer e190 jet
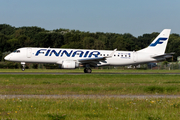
72, 58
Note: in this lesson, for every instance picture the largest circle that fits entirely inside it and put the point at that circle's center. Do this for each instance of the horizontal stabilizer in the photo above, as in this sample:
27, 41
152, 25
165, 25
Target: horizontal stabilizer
166, 55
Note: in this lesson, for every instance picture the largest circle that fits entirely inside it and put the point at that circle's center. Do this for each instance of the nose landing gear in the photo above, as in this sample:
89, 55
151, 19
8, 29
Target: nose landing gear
23, 66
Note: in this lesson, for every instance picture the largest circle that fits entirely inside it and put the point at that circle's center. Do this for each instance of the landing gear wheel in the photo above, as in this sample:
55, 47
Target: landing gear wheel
23, 67
87, 70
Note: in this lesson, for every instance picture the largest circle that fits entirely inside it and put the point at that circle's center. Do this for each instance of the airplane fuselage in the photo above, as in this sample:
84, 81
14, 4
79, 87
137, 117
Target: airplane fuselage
56, 56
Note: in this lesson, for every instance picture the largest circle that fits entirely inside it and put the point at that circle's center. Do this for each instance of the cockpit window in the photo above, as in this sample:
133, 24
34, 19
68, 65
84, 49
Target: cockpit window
17, 51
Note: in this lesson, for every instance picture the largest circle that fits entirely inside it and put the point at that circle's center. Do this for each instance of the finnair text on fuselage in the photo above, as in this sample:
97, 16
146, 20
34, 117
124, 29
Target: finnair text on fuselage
76, 53
62, 53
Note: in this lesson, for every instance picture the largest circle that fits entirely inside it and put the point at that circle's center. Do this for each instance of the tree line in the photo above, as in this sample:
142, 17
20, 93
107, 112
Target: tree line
12, 38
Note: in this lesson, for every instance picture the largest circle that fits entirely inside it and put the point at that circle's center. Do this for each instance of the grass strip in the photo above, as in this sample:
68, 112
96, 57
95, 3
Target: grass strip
81, 109
89, 84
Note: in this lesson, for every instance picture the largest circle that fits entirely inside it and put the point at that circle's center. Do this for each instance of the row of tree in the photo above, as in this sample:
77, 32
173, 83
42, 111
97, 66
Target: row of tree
12, 38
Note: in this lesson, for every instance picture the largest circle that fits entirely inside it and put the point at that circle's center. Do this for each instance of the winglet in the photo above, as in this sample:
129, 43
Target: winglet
113, 52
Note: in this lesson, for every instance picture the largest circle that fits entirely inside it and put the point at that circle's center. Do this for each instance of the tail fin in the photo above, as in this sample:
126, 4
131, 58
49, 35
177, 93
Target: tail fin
158, 46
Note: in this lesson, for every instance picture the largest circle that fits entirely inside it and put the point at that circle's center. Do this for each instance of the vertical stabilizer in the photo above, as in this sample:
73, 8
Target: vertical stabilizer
158, 46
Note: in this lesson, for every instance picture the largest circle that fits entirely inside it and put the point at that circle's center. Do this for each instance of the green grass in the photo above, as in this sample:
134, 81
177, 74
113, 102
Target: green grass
80, 70
87, 84
90, 109
106, 108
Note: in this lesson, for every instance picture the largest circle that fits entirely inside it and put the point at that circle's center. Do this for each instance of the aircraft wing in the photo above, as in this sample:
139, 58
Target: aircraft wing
92, 59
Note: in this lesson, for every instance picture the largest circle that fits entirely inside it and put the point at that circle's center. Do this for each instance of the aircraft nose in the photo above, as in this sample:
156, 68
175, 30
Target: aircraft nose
7, 57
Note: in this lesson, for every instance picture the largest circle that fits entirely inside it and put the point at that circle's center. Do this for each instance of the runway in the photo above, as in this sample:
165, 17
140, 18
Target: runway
89, 96
76, 73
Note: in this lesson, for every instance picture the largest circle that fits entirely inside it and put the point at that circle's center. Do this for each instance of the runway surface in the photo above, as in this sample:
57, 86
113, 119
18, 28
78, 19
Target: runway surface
75, 73
88, 96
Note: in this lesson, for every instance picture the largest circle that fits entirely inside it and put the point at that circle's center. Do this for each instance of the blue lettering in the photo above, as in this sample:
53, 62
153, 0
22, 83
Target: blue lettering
40, 52
92, 53
67, 54
159, 41
47, 52
86, 53
56, 54
81, 53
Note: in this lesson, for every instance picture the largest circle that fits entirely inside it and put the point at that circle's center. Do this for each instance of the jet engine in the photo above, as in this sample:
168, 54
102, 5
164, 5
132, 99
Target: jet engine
69, 64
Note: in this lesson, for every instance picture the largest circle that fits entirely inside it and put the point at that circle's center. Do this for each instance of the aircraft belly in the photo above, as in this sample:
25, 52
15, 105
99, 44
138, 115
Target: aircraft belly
42, 59
120, 61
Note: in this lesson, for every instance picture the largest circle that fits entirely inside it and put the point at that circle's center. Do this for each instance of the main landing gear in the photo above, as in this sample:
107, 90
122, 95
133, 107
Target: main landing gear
87, 70
23, 66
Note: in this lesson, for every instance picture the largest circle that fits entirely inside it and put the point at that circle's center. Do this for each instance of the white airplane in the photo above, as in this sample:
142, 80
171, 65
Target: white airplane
72, 58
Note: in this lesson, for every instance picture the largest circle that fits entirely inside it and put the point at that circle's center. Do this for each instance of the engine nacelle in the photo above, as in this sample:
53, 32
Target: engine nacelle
69, 64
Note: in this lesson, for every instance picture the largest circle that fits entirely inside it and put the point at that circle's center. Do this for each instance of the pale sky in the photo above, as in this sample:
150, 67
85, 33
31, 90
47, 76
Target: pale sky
136, 17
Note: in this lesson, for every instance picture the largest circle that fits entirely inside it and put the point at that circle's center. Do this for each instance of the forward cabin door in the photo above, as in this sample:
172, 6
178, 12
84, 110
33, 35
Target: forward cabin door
29, 52
135, 56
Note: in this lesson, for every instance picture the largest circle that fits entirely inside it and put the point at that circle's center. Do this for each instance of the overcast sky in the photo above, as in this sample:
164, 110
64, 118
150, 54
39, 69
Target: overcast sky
136, 17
